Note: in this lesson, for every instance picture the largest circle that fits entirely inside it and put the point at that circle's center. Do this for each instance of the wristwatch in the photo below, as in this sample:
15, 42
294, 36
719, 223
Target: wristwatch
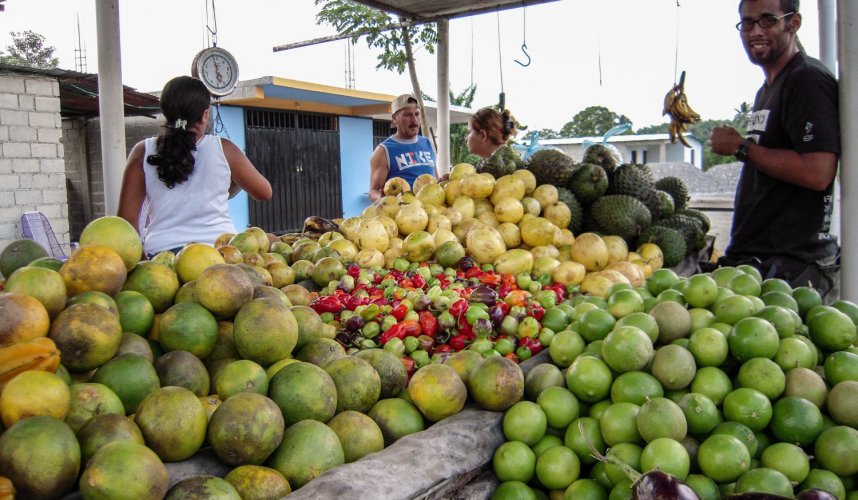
741, 154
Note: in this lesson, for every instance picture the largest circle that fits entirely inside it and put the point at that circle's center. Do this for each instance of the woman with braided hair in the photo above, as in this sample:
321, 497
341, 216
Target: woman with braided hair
489, 132
185, 175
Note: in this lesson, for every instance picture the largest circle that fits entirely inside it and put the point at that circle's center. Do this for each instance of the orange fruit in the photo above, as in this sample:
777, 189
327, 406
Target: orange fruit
496, 383
89, 400
256, 481
117, 234
18, 254
136, 313
32, 393
188, 326
358, 384
173, 422
156, 281
24, 318
194, 258
94, 267
437, 391
309, 448
223, 289
97, 298
265, 331
238, 376
358, 434
259, 433
45, 285
304, 391
396, 418
106, 476
132, 377
87, 336
106, 428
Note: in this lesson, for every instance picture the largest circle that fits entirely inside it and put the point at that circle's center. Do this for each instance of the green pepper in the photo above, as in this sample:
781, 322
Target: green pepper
546, 298
395, 346
435, 269
369, 312
387, 282
400, 264
345, 314
504, 346
434, 292
327, 317
546, 335
387, 322
411, 344
481, 345
523, 280
433, 282
370, 329
509, 325
368, 344
390, 292
544, 279
480, 305
421, 357
424, 272
534, 287
474, 312
556, 319
411, 316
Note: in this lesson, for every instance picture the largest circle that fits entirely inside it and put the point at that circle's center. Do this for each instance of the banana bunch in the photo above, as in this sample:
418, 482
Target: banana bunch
681, 114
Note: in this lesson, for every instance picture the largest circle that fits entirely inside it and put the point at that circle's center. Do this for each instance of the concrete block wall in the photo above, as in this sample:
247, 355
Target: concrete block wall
32, 169
77, 175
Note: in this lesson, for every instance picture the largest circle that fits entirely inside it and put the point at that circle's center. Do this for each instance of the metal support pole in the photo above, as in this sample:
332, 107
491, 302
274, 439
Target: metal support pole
443, 111
847, 24
110, 102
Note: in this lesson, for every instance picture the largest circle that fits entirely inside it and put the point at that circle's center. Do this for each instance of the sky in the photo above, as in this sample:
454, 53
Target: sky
621, 54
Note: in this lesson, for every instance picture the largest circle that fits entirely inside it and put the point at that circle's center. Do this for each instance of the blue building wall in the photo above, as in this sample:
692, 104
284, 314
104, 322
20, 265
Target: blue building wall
355, 150
233, 129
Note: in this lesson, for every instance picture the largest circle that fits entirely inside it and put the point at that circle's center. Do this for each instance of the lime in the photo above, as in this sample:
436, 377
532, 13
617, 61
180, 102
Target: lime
556, 319
514, 461
585, 489
565, 347
763, 375
673, 366
836, 449
805, 383
559, 405
741, 432
597, 409
794, 353
641, 320
547, 441
806, 298
667, 455
705, 488
842, 403
661, 280
539, 378
635, 387
748, 406
582, 433
753, 338
723, 275
671, 295
628, 453
782, 299
780, 318
618, 424
723, 458
775, 285
526, 422
708, 346
848, 308
745, 284
840, 366
557, 468
700, 291
625, 302
832, 330
787, 458
595, 324
796, 420
700, 318
661, 417
749, 269
627, 349
513, 490
764, 480
732, 308
825, 480
589, 379
701, 414
713, 383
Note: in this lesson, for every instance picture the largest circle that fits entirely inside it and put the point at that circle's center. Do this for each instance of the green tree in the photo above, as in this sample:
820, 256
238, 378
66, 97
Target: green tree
28, 49
700, 131
742, 116
548, 133
593, 121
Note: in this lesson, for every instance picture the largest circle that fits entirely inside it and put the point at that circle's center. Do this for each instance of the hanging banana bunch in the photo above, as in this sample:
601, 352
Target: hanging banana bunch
681, 114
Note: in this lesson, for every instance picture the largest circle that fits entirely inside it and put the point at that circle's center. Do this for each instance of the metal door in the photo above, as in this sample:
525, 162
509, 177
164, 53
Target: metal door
299, 154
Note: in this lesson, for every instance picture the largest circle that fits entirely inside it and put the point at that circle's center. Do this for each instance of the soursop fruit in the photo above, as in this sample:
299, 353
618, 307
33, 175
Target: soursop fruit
666, 208
670, 241
577, 211
699, 215
503, 161
636, 180
588, 183
553, 167
603, 156
621, 215
676, 188
689, 227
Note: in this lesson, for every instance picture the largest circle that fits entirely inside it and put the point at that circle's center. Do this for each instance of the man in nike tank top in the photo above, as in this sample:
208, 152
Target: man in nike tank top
405, 154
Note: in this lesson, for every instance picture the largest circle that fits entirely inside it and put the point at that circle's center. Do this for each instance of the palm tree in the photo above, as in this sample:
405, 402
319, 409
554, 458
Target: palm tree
742, 116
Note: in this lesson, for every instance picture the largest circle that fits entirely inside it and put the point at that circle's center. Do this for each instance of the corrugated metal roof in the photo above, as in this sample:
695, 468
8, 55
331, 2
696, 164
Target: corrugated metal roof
79, 92
421, 10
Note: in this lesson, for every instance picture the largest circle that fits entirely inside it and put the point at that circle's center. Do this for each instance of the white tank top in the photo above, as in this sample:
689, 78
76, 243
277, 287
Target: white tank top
196, 210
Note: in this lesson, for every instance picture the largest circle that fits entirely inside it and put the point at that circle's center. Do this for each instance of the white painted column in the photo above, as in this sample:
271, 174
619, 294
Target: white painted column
847, 37
110, 101
443, 111
828, 56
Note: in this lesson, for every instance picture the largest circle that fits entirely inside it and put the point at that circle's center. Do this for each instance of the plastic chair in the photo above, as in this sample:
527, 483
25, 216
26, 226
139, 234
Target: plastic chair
38, 228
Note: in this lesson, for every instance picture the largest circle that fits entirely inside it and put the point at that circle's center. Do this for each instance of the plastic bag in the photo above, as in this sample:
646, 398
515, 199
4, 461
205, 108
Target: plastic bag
526, 151
619, 129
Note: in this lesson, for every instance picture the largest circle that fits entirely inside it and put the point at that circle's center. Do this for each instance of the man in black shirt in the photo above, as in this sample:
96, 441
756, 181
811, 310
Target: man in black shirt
784, 199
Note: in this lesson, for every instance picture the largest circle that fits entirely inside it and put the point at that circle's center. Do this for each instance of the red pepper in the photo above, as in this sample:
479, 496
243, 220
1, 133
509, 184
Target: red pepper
509, 280
512, 356
559, 290
411, 328
504, 307
490, 279
406, 283
428, 323
409, 365
474, 272
397, 330
328, 303
399, 311
354, 271
354, 301
380, 300
504, 290
532, 343
443, 348
535, 311
516, 298
418, 281
458, 308
467, 330
459, 342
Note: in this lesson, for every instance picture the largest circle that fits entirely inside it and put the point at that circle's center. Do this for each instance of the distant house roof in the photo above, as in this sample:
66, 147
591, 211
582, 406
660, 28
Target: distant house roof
79, 92
421, 10
617, 138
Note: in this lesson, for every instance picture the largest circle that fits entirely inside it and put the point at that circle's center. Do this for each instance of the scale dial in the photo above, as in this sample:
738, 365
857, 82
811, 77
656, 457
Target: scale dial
217, 69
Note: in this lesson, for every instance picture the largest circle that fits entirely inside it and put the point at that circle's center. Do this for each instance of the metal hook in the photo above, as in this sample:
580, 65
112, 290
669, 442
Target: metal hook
524, 49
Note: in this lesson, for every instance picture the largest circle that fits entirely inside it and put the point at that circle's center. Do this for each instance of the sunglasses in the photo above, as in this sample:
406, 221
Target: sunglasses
765, 22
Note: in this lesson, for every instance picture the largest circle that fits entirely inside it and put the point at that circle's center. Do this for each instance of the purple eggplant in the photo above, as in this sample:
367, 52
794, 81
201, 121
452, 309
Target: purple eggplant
422, 302
815, 494
496, 315
354, 323
484, 295
466, 263
482, 327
